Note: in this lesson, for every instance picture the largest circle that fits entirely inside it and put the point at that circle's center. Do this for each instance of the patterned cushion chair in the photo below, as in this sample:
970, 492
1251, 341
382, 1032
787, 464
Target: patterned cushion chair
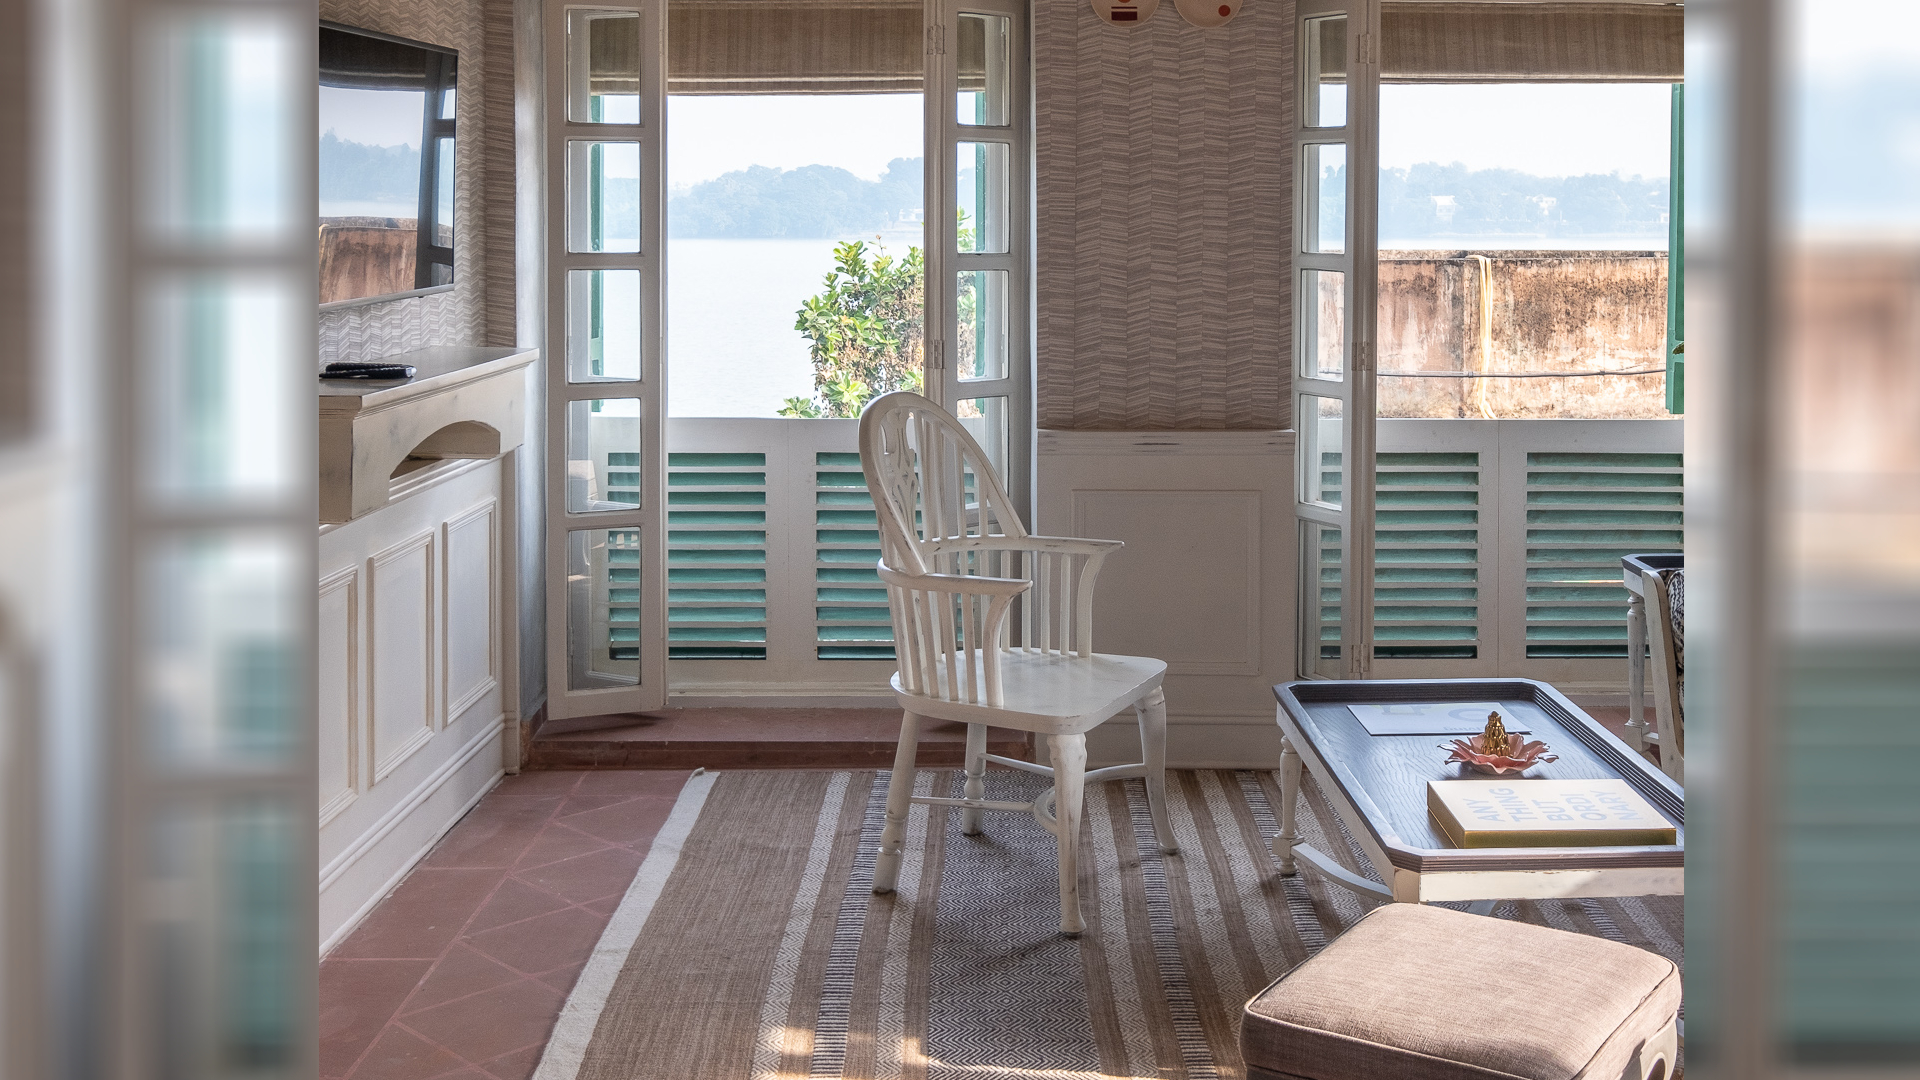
1423, 993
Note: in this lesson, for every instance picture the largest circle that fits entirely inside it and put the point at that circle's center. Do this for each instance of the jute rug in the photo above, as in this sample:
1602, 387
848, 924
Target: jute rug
751, 945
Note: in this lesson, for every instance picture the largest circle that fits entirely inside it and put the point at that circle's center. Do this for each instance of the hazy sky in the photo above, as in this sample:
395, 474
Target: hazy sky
1549, 130
707, 136
1545, 129
374, 117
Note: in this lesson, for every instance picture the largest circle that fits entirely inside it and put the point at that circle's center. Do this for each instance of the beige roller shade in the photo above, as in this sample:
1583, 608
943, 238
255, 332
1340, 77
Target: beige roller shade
794, 47
1564, 42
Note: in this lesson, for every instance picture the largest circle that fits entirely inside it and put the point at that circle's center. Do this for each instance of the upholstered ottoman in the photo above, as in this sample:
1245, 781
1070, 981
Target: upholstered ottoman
1424, 993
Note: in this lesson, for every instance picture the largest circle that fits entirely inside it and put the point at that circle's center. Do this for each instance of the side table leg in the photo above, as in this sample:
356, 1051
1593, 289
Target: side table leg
1636, 671
1289, 799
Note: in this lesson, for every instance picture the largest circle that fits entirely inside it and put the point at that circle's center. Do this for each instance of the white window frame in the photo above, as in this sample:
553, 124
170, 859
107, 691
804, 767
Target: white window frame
648, 518
945, 261
1355, 389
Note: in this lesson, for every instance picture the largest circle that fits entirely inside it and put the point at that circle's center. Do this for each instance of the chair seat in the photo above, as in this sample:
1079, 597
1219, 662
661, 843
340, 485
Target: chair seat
1048, 693
1443, 995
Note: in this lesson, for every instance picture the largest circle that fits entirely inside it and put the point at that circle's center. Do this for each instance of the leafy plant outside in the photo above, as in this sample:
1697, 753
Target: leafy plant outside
864, 330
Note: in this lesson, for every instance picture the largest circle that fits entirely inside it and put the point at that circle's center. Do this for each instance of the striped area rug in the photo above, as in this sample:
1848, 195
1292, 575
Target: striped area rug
751, 945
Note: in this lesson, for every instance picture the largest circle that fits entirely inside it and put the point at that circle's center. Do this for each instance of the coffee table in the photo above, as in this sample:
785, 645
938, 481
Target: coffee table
1377, 784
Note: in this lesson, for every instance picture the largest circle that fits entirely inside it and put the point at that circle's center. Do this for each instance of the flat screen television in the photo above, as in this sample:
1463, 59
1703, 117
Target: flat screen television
386, 165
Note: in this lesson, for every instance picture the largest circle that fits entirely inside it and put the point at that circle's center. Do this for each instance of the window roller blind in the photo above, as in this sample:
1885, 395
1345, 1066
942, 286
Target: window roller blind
795, 47
1514, 42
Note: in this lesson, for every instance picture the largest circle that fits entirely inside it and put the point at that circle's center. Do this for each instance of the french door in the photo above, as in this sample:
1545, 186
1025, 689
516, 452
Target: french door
606, 462
979, 224
1335, 261
759, 578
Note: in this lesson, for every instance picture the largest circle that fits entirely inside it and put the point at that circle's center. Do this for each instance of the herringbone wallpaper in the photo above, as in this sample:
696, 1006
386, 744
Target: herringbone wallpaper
1164, 204
479, 309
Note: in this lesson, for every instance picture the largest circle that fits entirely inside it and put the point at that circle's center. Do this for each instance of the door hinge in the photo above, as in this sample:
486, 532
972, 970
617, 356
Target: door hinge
1362, 357
1363, 48
1362, 667
937, 39
936, 356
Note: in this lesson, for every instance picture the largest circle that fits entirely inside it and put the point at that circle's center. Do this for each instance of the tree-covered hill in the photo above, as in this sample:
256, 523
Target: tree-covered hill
811, 201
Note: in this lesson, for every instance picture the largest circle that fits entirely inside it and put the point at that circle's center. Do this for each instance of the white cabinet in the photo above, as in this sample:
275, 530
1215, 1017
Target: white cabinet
414, 707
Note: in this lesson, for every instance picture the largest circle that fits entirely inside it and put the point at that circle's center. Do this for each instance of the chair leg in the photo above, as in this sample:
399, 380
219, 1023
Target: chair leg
1151, 711
1069, 786
886, 868
976, 777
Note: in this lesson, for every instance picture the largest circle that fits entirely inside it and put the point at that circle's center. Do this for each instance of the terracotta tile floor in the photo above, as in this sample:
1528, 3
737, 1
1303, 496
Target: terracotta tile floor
461, 972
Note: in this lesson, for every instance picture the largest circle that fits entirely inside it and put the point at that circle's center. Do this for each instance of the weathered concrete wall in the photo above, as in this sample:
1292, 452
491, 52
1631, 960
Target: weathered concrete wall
1542, 312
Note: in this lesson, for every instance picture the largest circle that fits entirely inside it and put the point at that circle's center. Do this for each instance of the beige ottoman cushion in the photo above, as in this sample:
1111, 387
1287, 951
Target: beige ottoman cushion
1429, 993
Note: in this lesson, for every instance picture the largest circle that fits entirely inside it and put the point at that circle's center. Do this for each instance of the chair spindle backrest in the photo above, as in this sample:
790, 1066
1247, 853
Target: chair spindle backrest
937, 498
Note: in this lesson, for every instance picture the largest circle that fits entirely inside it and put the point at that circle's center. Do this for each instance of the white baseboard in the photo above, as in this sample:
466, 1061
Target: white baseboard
341, 865
778, 698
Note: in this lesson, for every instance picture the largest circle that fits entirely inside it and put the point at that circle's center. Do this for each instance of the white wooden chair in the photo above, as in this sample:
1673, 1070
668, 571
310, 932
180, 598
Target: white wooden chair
963, 578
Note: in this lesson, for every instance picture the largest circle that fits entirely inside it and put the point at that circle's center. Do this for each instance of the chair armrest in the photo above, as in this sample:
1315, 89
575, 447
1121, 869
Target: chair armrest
964, 584
1066, 545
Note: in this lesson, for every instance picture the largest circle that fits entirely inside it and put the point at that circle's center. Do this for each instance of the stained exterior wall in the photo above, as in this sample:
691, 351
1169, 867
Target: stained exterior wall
1572, 311
1163, 165
479, 309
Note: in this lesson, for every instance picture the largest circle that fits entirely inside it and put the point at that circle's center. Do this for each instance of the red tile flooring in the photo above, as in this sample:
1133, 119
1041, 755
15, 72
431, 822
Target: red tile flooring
461, 971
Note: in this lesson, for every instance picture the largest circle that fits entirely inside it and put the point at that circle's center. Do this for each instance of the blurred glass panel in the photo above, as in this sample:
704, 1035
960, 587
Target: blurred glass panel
981, 314
983, 66
1323, 323
1320, 431
603, 608
1322, 579
1802, 587
603, 67
1324, 196
603, 325
223, 936
602, 436
982, 183
1324, 59
603, 196
225, 130
223, 650
219, 376
986, 420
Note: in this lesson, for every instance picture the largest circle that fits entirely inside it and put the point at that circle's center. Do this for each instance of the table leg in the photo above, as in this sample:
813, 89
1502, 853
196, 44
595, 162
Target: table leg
1636, 671
1283, 844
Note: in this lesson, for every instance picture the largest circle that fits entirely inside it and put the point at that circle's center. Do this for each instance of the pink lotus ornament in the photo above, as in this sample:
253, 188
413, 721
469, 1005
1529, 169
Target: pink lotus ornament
1497, 753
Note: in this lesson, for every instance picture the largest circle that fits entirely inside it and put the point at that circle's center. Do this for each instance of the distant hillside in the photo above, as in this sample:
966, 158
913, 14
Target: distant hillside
1437, 201
356, 172
811, 201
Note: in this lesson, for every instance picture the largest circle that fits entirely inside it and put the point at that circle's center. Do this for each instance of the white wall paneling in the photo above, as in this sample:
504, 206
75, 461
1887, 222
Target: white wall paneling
339, 691
1205, 582
469, 648
402, 663
415, 623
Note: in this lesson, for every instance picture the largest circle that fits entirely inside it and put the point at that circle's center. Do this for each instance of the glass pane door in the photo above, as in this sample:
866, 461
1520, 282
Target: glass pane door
1335, 254
606, 615
979, 164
